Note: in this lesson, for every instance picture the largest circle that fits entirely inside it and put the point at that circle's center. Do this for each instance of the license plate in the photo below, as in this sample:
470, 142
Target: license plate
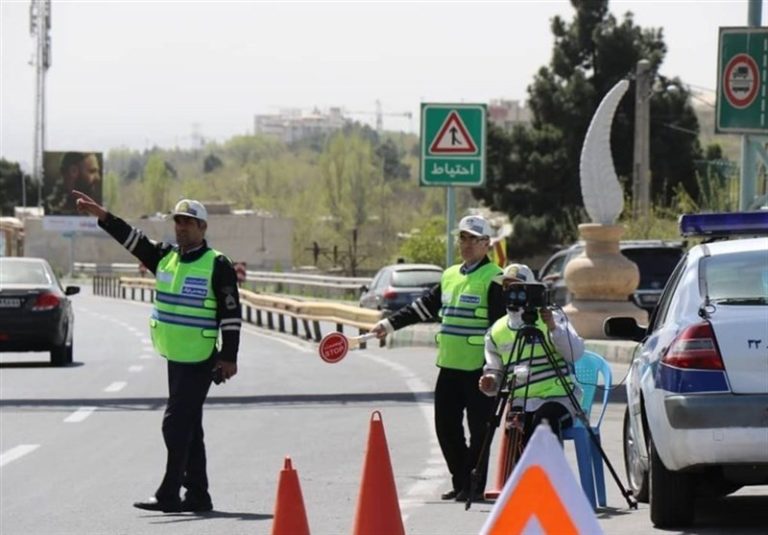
7, 302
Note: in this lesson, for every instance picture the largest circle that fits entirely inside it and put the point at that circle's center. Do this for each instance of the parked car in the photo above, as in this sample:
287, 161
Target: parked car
697, 388
654, 258
35, 312
398, 285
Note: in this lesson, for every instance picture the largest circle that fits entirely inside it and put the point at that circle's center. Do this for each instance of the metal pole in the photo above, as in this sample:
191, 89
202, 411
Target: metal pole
450, 215
748, 160
641, 187
40, 23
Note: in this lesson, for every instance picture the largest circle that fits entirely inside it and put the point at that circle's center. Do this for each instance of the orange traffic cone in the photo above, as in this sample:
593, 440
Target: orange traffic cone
378, 511
290, 517
507, 458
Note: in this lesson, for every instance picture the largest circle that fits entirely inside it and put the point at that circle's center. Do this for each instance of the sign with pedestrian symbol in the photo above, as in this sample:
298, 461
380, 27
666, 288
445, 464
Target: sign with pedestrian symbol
741, 94
453, 144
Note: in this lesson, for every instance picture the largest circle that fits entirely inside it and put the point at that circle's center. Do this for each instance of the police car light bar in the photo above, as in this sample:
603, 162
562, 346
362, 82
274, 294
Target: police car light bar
724, 224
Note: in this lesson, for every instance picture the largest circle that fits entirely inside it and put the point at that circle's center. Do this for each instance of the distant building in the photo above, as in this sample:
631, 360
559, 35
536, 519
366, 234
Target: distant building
508, 113
292, 125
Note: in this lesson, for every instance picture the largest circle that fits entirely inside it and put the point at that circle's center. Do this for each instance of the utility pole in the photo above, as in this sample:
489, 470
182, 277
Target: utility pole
39, 25
641, 184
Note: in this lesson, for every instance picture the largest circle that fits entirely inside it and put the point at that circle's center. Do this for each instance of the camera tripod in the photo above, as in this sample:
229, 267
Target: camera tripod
528, 336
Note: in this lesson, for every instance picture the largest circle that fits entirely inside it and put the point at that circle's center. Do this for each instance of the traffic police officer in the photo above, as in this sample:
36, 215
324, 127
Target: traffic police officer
196, 298
467, 303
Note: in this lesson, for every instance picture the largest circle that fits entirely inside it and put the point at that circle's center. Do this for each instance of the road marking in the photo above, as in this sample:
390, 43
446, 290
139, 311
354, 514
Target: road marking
135, 368
433, 476
296, 345
146, 341
145, 356
17, 452
117, 386
79, 415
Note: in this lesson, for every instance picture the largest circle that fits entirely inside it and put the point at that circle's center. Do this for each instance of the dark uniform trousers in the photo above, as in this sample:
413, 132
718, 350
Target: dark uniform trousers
456, 390
188, 385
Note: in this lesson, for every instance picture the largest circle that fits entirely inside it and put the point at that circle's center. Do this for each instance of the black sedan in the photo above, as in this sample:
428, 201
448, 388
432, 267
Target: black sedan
398, 285
35, 312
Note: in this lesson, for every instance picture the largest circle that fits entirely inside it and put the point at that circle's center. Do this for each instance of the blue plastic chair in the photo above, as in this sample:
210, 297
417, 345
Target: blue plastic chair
588, 370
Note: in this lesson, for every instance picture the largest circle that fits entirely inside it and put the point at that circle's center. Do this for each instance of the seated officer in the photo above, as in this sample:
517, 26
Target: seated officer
538, 389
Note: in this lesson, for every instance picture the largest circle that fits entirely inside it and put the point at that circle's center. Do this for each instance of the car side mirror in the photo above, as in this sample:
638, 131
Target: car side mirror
625, 328
72, 290
363, 289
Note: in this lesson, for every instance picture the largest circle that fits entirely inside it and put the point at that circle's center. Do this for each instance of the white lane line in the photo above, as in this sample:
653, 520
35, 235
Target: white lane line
433, 476
79, 415
146, 341
135, 368
303, 347
17, 452
145, 356
117, 386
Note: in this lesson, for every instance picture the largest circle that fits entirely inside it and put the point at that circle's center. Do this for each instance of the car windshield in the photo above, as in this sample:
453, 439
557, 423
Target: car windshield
655, 265
415, 278
23, 272
737, 278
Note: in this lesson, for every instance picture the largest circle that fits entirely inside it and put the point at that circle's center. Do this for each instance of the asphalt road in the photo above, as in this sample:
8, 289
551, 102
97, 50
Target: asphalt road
79, 444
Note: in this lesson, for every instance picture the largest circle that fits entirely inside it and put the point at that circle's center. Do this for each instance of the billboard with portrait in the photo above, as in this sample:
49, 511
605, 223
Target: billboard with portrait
65, 171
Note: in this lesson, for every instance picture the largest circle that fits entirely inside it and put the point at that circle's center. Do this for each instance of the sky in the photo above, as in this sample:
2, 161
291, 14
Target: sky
142, 73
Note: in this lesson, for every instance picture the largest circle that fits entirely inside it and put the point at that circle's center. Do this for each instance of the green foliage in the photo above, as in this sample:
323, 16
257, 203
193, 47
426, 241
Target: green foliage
533, 173
111, 191
156, 185
10, 187
427, 244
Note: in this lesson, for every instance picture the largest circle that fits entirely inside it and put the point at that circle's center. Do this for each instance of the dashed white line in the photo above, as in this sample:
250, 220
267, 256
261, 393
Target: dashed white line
145, 356
135, 368
79, 415
117, 386
17, 452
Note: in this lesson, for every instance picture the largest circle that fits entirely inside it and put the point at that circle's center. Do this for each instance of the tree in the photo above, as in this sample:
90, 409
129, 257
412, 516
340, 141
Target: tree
156, 182
10, 186
533, 173
427, 244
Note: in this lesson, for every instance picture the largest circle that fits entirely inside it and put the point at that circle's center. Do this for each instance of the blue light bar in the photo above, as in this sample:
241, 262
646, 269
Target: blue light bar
724, 224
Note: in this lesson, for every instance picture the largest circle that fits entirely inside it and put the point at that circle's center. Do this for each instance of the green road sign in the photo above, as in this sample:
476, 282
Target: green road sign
453, 144
741, 81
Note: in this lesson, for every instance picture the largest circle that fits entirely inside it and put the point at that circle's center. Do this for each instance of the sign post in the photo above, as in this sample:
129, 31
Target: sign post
742, 79
453, 141
453, 144
741, 97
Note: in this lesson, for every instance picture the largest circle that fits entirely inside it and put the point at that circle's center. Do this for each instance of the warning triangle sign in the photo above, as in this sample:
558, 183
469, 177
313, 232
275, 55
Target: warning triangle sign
542, 495
453, 137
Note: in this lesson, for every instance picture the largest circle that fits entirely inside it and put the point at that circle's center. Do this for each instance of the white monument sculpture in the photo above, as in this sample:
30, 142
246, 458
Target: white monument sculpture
601, 278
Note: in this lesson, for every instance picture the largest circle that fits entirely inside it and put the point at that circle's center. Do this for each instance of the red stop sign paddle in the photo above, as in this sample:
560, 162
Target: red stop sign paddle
333, 347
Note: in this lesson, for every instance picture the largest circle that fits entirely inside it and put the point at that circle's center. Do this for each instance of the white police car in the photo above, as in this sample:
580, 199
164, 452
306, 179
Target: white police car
697, 392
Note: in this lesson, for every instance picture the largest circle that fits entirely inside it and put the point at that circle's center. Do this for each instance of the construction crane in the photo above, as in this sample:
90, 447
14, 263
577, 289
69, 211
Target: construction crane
379, 113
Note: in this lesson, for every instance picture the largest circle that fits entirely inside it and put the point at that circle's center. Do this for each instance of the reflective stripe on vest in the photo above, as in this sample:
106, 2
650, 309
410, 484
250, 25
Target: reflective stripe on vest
183, 323
542, 380
464, 317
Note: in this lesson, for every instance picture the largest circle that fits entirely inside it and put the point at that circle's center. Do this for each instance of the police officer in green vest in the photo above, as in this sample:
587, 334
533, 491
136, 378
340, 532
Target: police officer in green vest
196, 299
538, 387
466, 303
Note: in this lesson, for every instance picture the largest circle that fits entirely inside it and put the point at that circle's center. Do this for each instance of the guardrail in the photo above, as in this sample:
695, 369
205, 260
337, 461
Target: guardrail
264, 310
304, 284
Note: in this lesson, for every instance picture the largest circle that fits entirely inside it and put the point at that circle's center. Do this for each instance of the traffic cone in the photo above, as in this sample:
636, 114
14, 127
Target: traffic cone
290, 518
504, 464
378, 511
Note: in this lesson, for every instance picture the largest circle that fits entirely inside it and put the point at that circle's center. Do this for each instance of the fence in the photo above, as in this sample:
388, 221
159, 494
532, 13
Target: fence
264, 310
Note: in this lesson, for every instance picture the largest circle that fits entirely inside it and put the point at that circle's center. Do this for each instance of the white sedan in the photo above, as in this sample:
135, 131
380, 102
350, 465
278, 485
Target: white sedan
697, 392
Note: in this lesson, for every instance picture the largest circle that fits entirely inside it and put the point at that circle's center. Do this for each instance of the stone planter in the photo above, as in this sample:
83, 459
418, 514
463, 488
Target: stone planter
601, 280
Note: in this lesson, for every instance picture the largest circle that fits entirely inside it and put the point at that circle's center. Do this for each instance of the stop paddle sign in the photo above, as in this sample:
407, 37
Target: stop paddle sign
333, 347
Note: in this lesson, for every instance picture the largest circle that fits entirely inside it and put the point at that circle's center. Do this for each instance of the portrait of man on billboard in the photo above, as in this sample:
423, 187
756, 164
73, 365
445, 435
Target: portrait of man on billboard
65, 171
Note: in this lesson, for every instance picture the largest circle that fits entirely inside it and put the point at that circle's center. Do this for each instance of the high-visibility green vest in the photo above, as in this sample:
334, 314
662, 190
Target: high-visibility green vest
542, 380
183, 323
464, 317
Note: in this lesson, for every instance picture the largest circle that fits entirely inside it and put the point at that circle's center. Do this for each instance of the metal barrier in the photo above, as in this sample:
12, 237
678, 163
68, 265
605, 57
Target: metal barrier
263, 310
306, 285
